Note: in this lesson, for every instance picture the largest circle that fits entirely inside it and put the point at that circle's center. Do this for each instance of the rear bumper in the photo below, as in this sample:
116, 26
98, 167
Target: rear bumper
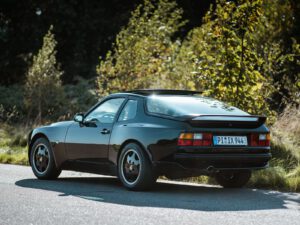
187, 164
224, 157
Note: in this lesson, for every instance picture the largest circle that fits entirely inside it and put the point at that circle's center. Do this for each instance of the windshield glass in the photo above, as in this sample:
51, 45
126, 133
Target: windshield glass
189, 105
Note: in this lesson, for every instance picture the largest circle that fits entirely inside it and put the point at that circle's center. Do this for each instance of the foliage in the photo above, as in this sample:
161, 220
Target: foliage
284, 171
143, 50
13, 137
16, 158
277, 177
13, 144
286, 132
222, 57
83, 29
80, 97
277, 43
274, 177
44, 92
12, 103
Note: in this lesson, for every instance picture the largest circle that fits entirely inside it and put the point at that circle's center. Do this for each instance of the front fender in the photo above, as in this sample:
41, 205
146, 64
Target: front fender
55, 136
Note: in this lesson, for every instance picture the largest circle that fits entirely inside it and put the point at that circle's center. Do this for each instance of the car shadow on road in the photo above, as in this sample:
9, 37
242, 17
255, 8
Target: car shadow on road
166, 195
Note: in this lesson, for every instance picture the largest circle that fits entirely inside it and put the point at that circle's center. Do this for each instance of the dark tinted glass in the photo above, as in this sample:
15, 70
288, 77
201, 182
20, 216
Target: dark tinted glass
189, 105
129, 111
106, 112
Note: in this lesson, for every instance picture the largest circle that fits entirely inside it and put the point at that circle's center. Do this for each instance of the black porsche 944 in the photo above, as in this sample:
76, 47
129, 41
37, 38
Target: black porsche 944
143, 134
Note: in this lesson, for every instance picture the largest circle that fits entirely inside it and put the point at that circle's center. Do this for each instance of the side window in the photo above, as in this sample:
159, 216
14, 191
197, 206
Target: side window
106, 112
129, 111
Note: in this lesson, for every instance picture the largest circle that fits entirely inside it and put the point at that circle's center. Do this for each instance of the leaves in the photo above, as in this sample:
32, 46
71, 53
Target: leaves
224, 61
143, 52
44, 91
232, 56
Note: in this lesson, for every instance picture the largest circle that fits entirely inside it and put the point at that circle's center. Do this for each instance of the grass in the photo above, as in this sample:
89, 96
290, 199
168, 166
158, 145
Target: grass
16, 158
284, 171
13, 142
283, 174
276, 178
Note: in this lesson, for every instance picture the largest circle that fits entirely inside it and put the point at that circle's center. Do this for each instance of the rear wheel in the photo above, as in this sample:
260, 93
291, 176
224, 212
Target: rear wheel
233, 179
42, 160
135, 169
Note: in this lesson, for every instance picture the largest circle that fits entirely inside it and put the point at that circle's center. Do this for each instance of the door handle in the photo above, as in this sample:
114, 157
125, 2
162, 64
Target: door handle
105, 131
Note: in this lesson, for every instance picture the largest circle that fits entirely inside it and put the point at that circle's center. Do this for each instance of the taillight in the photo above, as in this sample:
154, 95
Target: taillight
186, 139
195, 139
260, 139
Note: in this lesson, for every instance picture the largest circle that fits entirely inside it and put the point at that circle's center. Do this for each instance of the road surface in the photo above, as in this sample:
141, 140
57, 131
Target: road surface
80, 198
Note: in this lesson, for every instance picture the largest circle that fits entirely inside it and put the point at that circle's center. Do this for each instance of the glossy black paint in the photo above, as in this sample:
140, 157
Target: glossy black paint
95, 147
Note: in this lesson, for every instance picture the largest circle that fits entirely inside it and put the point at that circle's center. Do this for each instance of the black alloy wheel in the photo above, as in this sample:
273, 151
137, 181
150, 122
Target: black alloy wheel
42, 160
135, 169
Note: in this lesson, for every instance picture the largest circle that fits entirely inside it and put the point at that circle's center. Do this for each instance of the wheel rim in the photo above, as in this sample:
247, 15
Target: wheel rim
41, 158
131, 166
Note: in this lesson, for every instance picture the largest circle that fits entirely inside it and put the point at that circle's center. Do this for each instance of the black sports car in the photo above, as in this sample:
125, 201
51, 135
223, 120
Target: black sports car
140, 135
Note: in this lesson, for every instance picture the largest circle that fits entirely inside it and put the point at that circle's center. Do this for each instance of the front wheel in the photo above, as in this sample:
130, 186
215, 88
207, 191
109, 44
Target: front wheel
233, 179
42, 160
135, 169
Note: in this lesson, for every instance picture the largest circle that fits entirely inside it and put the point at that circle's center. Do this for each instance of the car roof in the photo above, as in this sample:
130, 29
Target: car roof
148, 92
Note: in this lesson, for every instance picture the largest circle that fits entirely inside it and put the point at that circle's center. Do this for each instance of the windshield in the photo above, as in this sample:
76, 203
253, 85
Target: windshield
189, 105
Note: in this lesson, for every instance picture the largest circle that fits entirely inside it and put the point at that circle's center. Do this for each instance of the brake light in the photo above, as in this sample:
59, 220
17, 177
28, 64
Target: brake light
195, 139
260, 139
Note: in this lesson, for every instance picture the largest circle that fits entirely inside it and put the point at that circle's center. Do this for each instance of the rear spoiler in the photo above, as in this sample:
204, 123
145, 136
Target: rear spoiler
233, 121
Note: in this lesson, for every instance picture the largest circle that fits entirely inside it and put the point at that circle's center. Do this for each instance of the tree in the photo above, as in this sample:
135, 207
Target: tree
277, 43
143, 52
43, 82
221, 53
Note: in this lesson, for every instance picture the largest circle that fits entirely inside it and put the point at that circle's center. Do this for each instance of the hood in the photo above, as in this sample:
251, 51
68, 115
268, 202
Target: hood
61, 124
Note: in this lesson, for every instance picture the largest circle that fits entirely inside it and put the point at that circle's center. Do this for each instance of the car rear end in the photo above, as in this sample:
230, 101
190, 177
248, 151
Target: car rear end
215, 143
216, 138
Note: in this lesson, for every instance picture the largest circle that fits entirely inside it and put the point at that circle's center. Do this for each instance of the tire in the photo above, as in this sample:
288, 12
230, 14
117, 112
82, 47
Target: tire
135, 169
42, 160
233, 179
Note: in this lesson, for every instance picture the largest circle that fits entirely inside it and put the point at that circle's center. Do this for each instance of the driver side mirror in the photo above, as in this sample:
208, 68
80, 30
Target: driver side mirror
78, 117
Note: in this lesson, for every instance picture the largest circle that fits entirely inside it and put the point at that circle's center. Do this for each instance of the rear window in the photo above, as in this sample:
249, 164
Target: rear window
189, 105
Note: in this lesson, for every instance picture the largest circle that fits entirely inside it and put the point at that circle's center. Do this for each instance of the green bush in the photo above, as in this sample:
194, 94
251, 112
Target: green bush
12, 104
13, 138
79, 97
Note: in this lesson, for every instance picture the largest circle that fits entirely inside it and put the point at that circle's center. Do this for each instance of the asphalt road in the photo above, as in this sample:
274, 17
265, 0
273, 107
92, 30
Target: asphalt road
79, 198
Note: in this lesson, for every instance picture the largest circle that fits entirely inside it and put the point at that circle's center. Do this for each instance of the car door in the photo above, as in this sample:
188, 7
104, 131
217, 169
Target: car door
124, 126
89, 140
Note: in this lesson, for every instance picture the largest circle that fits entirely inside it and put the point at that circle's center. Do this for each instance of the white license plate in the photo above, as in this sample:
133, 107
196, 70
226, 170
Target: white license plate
230, 140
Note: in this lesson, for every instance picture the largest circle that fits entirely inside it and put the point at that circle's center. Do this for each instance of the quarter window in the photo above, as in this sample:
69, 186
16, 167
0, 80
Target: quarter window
106, 112
129, 111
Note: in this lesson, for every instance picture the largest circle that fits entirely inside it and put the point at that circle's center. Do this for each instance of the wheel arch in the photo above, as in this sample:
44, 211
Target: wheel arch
33, 139
136, 142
